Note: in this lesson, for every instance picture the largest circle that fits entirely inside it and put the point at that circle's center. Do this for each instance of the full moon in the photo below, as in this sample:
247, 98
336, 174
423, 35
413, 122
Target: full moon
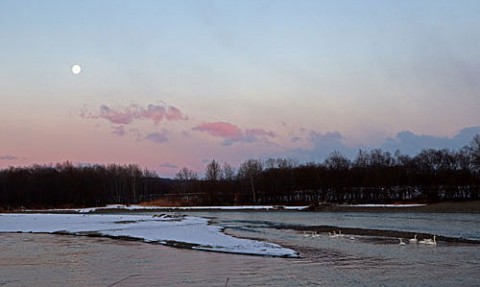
76, 69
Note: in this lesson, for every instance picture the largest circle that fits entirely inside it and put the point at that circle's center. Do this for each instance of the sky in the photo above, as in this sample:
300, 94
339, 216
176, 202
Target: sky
172, 84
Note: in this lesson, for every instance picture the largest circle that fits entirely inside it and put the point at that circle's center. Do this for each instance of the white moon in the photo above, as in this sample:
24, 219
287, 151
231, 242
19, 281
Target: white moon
76, 69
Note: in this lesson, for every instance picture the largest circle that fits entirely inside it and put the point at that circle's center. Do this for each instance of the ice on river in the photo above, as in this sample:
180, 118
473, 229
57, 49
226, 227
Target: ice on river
195, 232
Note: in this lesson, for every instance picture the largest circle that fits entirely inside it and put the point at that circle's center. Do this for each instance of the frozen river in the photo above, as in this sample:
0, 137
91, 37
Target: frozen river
57, 260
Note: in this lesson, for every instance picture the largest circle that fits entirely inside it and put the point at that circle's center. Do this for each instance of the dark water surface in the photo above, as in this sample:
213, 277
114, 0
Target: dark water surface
56, 260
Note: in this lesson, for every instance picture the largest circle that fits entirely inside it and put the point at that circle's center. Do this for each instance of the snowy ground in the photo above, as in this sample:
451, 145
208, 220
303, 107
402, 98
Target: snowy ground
187, 231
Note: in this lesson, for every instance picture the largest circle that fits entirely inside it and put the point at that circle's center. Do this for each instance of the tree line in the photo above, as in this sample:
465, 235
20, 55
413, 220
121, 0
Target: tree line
373, 176
66, 185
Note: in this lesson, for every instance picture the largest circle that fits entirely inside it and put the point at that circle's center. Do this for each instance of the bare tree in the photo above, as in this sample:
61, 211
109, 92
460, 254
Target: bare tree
337, 161
250, 170
378, 158
212, 171
228, 173
186, 174
362, 159
474, 149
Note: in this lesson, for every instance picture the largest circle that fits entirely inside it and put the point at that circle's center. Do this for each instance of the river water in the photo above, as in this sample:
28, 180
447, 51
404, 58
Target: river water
59, 260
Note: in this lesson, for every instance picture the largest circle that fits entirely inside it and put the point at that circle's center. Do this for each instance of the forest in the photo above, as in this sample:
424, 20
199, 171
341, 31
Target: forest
374, 176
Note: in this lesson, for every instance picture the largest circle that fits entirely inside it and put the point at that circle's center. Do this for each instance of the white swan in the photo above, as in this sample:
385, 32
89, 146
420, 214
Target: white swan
432, 242
310, 234
402, 243
413, 240
429, 241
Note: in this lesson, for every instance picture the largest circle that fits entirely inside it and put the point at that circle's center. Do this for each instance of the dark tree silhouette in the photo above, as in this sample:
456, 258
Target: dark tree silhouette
372, 177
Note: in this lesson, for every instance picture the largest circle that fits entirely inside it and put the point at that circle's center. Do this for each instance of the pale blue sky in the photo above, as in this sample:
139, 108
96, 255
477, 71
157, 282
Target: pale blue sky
250, 78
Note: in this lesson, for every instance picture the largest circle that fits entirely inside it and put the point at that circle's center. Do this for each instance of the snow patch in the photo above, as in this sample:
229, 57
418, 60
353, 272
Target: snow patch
192, 231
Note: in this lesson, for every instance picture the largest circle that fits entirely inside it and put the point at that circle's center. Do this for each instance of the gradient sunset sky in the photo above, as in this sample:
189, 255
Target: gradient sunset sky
168, 84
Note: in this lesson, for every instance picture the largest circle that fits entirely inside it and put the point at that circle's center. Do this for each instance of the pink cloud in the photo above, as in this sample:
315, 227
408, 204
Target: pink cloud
117, 117
174, 114
158, 113
153, 112
231, 133
126, 115
223, 130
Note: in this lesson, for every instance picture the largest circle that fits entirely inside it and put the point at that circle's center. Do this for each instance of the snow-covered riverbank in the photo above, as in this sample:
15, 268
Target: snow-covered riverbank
192, 232
121, 207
